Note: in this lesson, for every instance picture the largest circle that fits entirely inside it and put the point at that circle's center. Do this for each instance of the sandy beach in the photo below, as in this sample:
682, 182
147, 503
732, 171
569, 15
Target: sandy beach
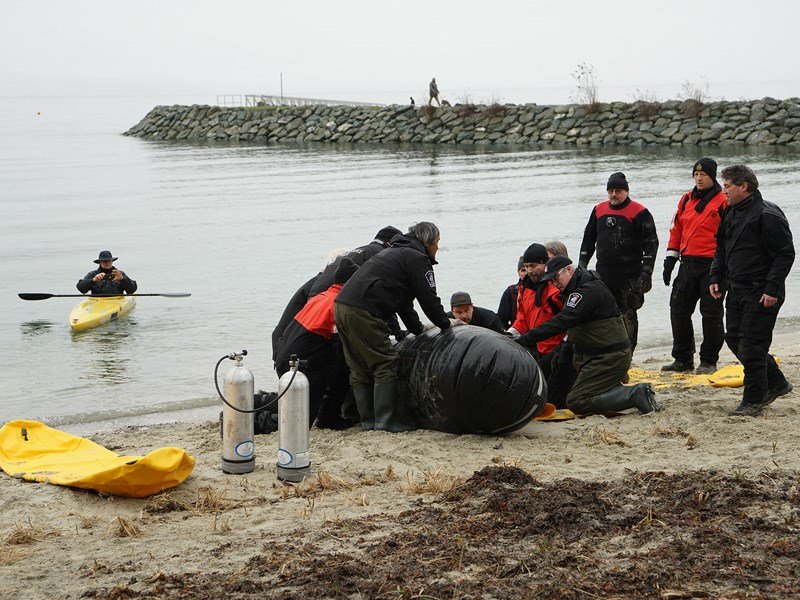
683, 503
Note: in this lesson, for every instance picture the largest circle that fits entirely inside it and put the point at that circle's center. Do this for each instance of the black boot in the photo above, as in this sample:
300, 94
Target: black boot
640, 396
706, 367
365, 404
680, 366
385, 404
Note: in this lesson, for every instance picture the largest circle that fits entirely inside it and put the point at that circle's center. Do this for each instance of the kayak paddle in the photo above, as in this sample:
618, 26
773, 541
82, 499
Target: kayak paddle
46, 296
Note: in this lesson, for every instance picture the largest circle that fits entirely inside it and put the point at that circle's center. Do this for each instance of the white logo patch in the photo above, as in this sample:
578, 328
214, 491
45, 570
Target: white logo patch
431, 280
573, 300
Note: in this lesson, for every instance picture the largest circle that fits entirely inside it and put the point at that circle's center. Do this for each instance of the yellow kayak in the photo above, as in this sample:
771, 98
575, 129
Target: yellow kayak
35, 452
96, 311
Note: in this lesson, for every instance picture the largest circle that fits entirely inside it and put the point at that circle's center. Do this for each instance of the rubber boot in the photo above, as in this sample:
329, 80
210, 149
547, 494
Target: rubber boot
640, 396
680, 366
365, 406
385, 405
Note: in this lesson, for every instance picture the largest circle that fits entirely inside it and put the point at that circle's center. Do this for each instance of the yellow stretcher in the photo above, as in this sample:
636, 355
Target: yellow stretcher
33, 451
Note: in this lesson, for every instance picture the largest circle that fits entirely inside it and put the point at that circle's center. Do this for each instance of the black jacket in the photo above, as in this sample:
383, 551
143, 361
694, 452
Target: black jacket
625, 237
587, 300
507, 311
389, 283
297, 302
483, 317
106, 286
754, 247
359, 256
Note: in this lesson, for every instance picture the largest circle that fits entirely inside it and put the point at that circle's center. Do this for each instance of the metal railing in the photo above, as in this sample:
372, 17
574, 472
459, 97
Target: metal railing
230, 100
265, 100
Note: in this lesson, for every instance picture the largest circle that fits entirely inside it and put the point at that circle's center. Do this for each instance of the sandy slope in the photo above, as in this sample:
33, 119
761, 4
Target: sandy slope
64, 543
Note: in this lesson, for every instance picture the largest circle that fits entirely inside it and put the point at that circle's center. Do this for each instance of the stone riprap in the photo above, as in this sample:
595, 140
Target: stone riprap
757, 122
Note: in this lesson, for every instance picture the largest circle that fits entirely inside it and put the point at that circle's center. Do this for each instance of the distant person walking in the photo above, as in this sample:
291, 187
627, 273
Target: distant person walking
433, 92
754, 255
692, 239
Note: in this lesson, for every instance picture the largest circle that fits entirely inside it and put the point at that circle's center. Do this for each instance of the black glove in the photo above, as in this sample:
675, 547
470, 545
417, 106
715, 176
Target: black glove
669, 264
645, 282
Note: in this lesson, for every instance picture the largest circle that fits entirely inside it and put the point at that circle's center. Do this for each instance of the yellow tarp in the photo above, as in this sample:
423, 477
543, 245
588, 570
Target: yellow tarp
730, 376
33, 451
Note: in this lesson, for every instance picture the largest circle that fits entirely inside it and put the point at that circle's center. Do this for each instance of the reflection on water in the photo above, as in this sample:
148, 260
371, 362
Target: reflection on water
34, 328
108, 359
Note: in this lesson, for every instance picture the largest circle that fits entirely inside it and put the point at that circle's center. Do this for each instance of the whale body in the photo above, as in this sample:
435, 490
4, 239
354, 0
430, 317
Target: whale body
468, 379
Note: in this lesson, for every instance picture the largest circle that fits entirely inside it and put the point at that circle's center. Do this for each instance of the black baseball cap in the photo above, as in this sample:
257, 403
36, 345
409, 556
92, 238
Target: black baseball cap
460, 298
554, 265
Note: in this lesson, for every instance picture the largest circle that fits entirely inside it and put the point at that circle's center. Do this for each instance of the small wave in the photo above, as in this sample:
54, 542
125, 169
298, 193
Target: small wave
130, 414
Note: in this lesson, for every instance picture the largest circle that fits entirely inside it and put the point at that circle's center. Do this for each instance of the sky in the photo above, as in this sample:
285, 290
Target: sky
374, 48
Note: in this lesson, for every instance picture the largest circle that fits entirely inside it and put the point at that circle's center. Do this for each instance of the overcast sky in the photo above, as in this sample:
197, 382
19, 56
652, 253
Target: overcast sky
186, 47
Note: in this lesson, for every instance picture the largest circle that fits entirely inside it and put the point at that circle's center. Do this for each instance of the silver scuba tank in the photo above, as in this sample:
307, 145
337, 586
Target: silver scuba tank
238, 448
294, 461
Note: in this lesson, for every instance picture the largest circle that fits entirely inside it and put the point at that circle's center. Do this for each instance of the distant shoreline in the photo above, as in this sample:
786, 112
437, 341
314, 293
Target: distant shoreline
765, 122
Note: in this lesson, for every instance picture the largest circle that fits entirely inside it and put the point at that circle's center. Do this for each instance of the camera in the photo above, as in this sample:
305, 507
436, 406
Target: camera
109, 276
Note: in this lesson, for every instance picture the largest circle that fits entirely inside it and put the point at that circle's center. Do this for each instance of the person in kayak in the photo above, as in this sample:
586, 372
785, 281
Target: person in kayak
107, 280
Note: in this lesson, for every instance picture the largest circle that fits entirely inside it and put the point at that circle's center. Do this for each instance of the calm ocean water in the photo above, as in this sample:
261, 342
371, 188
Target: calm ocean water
241, 227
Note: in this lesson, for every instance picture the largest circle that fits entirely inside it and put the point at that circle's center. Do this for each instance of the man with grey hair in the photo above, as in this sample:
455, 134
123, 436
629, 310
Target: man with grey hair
754, 255
384, 286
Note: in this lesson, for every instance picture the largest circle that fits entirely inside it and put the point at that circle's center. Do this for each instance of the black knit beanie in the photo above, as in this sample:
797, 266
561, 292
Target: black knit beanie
344, 271
535, 253
617, 181
386, 234
707, 166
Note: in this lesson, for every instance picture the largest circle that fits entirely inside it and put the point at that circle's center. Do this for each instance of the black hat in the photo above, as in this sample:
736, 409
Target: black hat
707, 166
535, 253
520, 263
386, 234
617, 181
555, 264
460, 298
344, 271
105, 255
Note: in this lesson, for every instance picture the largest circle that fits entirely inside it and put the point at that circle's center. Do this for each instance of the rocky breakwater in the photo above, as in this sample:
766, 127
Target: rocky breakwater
767, 121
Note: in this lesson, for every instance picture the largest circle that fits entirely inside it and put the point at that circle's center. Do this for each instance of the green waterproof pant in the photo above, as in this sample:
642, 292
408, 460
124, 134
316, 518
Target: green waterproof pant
596, 374
367, 349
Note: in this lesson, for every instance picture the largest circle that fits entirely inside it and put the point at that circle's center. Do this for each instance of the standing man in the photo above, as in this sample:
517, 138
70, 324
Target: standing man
624, 234
384, 286
602, 353
692, 239
433, 92
461, 308
106, 280
754, 255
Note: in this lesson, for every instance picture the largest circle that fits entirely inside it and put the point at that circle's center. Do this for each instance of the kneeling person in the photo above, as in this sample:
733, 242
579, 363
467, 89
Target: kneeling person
461, 308
602, 349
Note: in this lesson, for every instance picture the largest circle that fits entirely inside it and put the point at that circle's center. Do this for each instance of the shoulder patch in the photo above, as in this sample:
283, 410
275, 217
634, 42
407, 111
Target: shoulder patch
573, 300
431, 279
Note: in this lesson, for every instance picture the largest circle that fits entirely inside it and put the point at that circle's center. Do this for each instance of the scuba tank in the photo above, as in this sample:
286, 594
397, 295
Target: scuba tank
238, 448
294, 463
